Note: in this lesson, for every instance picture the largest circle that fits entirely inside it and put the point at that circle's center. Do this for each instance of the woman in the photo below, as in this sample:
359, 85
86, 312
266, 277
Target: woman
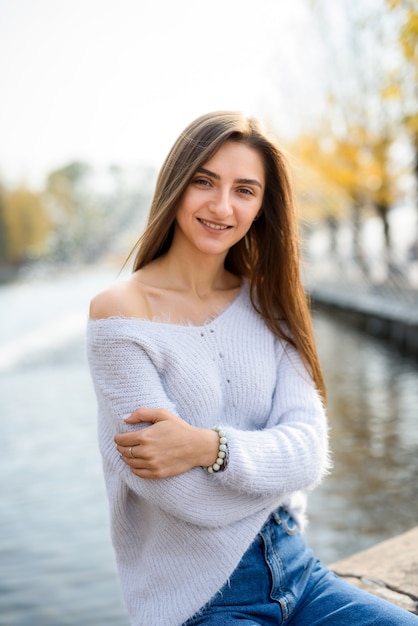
213, 329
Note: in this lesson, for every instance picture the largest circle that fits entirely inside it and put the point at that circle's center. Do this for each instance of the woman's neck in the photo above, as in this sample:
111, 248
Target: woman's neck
200, 275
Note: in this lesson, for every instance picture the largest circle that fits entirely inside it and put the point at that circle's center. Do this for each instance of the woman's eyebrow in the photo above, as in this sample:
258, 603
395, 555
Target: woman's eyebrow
241, 181
249, 181
203, 170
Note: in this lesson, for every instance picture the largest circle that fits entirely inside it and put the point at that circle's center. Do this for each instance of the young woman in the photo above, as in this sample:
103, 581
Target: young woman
210, 394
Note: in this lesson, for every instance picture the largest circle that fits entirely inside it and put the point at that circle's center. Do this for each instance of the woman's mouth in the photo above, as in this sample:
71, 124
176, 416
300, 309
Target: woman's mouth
213, 225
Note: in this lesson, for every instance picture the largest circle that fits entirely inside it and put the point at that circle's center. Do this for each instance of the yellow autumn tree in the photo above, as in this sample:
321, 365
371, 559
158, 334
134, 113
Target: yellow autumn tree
352, 147
352, 174
403, 83
25, 226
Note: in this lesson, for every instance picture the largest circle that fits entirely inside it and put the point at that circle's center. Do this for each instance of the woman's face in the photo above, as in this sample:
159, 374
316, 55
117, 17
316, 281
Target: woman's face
222, 200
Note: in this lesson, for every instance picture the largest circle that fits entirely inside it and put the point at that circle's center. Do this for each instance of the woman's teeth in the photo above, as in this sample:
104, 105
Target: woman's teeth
212, 225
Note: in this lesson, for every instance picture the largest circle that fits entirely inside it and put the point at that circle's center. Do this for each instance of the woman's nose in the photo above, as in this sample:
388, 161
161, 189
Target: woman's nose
222, 205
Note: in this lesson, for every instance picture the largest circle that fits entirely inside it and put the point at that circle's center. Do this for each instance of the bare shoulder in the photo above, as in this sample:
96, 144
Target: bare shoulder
121, 299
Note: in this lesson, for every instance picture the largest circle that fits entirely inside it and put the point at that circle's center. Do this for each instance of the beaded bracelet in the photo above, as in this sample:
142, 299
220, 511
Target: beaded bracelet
222, 450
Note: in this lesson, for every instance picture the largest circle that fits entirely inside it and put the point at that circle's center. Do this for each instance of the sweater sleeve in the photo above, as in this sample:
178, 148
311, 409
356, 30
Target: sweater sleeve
125, 378
291, 452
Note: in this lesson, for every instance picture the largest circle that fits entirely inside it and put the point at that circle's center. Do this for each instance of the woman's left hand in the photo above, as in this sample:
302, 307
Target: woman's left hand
167, 447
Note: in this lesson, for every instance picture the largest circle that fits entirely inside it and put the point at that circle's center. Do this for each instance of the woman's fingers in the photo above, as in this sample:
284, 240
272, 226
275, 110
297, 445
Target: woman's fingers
165, 447
128, 453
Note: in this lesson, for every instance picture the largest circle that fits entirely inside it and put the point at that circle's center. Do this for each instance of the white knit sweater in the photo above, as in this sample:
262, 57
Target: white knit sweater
177, 540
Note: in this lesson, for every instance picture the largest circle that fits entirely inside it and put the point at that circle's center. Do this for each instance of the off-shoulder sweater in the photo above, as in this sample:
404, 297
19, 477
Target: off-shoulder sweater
177, 540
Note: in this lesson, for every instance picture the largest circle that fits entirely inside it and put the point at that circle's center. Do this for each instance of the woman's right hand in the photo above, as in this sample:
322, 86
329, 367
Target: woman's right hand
169, 446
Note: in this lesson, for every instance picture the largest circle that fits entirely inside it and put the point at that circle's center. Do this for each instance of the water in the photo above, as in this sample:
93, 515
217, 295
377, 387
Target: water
56, 561
372, 493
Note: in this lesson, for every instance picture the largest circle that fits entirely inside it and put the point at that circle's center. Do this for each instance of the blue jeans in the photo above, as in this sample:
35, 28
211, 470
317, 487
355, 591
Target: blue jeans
279, 581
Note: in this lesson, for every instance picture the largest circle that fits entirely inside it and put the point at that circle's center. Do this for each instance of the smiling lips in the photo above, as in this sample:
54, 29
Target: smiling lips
213, 225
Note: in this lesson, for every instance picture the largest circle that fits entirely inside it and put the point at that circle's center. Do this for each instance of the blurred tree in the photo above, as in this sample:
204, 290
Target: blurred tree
354, 175
403, 83
26, 226
69, 204
76, 219
4, 247
360, 126
66, 184
91, 214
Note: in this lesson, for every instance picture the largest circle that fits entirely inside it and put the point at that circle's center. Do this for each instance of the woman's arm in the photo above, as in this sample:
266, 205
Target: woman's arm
291, 453
125, 378
168, 446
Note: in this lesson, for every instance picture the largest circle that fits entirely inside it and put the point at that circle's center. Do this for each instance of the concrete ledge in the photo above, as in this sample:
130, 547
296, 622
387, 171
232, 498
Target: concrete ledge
378, 315
389, 570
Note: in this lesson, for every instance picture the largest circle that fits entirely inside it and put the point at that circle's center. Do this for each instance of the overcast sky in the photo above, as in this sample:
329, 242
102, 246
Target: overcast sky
115, 81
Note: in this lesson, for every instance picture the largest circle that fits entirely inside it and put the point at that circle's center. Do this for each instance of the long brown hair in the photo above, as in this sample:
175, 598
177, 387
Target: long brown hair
269, 253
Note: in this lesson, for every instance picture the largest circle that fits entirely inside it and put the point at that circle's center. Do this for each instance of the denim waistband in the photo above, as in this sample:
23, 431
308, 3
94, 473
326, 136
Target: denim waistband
281, 516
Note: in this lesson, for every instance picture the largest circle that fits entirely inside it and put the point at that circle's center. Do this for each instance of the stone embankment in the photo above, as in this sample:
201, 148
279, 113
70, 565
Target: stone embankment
390, 315
389, 570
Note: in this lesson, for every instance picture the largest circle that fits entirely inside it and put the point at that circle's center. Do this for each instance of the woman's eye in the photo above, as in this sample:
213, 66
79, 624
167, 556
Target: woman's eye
246, 191
202, 181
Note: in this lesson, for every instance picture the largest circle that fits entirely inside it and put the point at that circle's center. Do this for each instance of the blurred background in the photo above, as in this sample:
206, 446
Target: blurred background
94, 92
